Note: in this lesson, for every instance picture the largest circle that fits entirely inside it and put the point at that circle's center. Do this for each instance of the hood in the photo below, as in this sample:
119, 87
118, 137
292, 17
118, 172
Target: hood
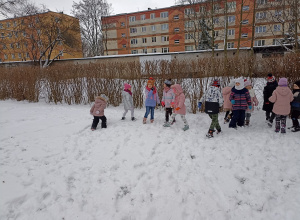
100, 99
177, 88
241, 81
283, 91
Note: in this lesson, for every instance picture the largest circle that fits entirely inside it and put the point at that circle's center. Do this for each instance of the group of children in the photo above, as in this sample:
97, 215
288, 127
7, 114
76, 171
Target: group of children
237, 99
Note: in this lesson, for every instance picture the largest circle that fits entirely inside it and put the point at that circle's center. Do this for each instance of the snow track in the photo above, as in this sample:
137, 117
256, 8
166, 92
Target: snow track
54, 167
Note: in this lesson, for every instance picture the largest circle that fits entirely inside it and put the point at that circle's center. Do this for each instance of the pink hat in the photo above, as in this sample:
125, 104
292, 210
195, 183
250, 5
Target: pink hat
247, 83
127, 86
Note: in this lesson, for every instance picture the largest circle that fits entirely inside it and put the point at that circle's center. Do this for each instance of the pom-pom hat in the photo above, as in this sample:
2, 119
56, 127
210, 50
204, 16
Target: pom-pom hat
127, 86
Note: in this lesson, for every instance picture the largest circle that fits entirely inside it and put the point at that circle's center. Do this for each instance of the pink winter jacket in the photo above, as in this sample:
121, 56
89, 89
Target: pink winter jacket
282, 98
226, 94
98, 107
179, 99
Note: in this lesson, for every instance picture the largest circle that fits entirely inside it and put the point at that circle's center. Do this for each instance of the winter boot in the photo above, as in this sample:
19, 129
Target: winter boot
210, 133
219, 131
270, 123
93, 129
133, 119
295, 129
247, 122
144, 120
173, 121
152, 120
167, 124
186, 127
123, 118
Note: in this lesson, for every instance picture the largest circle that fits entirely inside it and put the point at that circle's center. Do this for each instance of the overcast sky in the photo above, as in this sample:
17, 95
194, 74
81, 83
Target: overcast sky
118, 6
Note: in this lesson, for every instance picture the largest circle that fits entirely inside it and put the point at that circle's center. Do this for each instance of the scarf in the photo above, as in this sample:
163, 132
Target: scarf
127, 90
154, 89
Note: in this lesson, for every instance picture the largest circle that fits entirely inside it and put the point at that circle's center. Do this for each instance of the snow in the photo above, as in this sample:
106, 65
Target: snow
54, 167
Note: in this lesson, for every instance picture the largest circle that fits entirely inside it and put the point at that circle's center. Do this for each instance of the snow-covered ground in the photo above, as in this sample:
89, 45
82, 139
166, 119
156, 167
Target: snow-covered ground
53, 166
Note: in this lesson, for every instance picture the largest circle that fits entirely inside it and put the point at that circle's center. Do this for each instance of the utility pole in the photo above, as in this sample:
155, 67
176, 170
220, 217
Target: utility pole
253, 26
240, 30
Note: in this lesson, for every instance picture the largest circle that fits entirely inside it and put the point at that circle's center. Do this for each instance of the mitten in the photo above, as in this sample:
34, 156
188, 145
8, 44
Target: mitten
177, 108
199, 104
163, 104
233, 102
97, 112
250, 107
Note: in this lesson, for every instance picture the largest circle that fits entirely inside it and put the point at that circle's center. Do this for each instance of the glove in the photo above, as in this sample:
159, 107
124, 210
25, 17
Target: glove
177, 108
250, 107
163, 104
199, 104
97, 112
233, 102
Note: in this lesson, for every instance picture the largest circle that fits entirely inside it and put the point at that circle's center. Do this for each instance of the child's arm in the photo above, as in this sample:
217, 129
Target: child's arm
92, 109
273, 98
255, 101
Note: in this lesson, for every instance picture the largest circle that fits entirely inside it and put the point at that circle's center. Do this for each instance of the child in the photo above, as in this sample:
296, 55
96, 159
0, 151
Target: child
296, 106
97, 111
128, 101
282, 98
178, 106
268, 106
168, 98
254, 101
151, 100
240, 99
213, 101
227, 107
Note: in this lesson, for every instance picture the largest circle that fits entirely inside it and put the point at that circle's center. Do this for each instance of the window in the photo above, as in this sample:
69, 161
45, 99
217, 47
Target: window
1, 26
154, 50
176, 41
189, 48
15, 24
123, 35
188, 36
216, 33
13, 56
246, 8
39, 31
164, 38
165, 50
188, 11
216, 20
216, 7
153, 39
202, 9
37, 20
18, 45
134, 52
12, 46
261, 15
261, 2
27, 55
231, 32
260, 29
133, 30
20, 55
278, 13
25, 45
164, 14
132, 18
164, 27
133, 41
176, 17
176, 29
152, 15
231, 5
10, 35
5, 56
8, 24
246, 21
24, 34
153, 28
2, 34
124, 45
4, 46
216, 46
231, 19
144, 40
143, 29
188, 24
259, 43
276, 42
230, 45
122, 24
144, 51
277, 27
143, 17
244, 35
16, 34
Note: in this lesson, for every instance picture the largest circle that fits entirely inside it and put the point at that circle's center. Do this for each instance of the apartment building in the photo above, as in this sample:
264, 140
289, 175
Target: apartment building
48, 35
214, 24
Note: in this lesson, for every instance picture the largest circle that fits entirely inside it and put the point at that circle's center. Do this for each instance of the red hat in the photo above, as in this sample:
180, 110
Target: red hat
151, 81
216, 83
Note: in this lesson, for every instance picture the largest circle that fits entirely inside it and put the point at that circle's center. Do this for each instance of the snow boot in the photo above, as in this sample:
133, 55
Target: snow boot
210, 133
247, 122
270, 123
152, 120
219, 131
295, 129
133, 119
144, 120
167, 124
186, 127
123, 118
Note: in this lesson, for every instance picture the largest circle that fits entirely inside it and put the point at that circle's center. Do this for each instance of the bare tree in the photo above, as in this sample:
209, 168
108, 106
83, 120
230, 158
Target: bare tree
89, 13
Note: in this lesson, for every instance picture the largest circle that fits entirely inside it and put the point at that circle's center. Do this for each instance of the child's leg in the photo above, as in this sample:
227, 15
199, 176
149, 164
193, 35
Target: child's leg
184, 120
103, 122
95, 122
167, 114
277, 124
214, 122
273, 115
152, 113
125, 112
132, 112
248, 115
147, 111
233, 121
226, 115
268, 115
283, 123
294, 116
241, 118
173, 117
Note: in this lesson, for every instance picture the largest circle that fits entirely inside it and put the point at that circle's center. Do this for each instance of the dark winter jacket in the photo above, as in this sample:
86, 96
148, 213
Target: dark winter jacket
241, 97
268, 91
296, 102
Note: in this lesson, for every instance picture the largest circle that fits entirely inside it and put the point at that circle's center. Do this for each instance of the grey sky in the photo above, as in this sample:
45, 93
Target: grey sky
119, 6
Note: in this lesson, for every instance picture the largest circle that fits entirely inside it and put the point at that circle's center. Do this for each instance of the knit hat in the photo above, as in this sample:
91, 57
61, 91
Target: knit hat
168, 82
247, 83
241, 86
215, 83
104, 97
283, 82
151, 81
270, 78
127, 86
297, 83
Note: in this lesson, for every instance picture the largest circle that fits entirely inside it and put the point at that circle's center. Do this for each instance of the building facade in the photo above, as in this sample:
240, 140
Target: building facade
40, 37
212, 24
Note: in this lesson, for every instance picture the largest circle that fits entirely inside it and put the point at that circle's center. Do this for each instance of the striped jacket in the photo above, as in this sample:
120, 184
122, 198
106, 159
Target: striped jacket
242, 99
